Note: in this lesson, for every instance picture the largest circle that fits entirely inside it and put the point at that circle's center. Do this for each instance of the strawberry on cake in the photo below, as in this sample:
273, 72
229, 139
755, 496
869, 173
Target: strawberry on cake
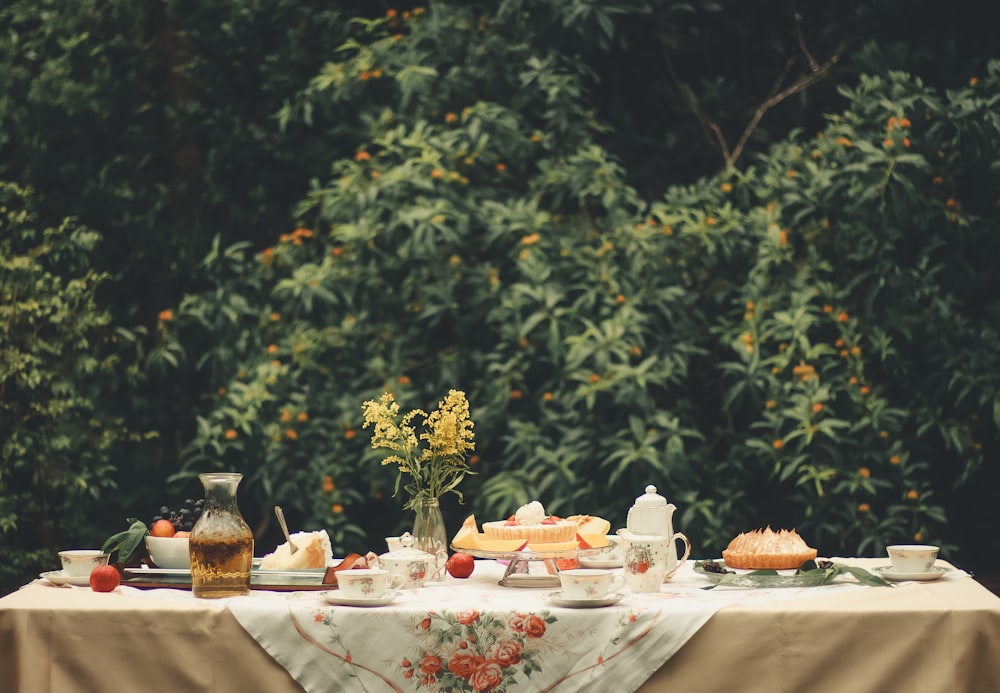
531, 524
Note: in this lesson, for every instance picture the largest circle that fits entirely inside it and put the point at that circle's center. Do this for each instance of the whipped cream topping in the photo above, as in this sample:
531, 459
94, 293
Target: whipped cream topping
531, 514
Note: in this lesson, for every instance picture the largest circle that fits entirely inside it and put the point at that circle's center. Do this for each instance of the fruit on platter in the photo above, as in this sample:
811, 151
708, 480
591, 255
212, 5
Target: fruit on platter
162, 528
460, 565
104, 578
183, 518
127, 547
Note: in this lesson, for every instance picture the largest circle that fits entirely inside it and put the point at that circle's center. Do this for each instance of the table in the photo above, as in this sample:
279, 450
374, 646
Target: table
937, 636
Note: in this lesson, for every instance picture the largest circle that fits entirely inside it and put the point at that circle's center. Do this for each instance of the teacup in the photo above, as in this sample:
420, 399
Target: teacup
588, 583
367, 583
79, 562
912, 558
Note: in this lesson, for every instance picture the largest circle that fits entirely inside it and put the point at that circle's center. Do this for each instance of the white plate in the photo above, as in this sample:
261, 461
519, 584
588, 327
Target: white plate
600, 563
607, 600
58, 577
175, 572
335, 597
889, 573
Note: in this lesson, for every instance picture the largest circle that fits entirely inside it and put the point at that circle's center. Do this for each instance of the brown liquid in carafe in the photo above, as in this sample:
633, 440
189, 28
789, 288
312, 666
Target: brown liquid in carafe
221, 567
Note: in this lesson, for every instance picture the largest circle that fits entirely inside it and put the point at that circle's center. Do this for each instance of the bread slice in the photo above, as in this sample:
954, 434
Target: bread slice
314, 551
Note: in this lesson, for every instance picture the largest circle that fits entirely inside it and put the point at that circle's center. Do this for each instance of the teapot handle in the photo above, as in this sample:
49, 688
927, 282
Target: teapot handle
440, 560
371, 558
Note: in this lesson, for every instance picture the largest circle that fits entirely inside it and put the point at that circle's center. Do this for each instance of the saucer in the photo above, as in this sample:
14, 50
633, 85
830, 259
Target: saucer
335, 597
558, 599
58, 577
888, 573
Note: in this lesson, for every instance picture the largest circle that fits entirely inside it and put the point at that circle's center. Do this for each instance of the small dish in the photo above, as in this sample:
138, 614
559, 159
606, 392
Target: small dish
335, 597
887, 572
58, 577
607, 600
601, 563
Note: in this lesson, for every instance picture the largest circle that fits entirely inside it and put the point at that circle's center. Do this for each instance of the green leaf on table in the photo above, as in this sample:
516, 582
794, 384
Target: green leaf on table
829, 571
126, 543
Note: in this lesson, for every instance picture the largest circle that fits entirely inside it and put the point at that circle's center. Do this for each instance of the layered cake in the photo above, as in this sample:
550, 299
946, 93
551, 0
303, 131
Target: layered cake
531, 524
767, 549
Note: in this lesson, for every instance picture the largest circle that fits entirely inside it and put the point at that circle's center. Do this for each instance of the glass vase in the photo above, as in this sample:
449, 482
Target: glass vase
221, 541
428, 530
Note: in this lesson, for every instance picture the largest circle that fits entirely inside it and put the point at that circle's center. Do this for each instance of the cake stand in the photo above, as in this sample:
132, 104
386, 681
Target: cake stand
532, 568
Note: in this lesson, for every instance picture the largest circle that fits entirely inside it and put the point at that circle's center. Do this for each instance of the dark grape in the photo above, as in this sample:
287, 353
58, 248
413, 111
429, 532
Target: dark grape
184, 518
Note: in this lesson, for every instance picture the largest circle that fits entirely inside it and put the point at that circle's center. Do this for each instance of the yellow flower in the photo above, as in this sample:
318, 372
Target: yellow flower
433, 461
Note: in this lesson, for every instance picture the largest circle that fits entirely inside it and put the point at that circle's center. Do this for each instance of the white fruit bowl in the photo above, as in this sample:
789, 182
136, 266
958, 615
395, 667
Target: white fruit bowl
169, 552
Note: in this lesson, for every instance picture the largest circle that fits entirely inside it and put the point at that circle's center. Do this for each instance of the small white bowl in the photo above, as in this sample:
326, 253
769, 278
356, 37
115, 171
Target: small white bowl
79, 562
169, 552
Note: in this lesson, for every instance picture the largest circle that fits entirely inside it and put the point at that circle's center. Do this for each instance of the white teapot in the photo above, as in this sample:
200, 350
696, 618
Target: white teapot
651, 515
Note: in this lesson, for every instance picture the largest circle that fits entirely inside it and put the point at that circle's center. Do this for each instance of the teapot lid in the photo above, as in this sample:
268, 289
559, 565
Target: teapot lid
408, 553
650, 499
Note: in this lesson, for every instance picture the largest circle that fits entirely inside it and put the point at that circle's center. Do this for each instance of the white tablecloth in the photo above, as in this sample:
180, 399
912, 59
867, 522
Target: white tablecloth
474, 635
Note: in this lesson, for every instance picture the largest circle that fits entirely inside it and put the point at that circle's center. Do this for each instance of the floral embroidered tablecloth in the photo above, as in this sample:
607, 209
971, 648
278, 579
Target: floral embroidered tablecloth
473, 635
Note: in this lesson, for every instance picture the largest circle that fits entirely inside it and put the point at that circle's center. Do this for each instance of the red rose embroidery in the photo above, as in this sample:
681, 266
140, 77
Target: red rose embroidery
507, 653
535, 627
486, 677
430, 665
516, 623
467, 616
464, 663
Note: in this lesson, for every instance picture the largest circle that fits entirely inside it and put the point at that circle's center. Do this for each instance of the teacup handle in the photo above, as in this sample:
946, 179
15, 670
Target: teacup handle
396, 581
617, 582
682, 559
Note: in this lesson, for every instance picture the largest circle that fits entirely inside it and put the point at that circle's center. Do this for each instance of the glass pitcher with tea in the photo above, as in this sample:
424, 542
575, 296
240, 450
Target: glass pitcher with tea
221, 541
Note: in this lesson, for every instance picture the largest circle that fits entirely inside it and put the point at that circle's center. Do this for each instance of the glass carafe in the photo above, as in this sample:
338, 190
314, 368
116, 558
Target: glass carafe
221, 541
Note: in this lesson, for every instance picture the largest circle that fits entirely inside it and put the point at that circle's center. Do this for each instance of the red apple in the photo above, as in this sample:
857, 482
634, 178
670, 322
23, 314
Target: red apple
104, 578
460, 565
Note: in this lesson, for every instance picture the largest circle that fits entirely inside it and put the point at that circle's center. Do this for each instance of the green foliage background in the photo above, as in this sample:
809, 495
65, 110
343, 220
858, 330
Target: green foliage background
546, 205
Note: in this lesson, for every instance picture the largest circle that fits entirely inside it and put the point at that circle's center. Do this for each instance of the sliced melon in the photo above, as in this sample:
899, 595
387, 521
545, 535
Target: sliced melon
595, 540
500, 544
468, 537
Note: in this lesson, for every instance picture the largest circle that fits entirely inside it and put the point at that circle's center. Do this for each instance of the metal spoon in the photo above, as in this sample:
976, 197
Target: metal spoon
284, 528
